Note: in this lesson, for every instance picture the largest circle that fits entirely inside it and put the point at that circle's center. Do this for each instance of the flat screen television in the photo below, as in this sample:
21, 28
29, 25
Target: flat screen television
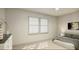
73, 26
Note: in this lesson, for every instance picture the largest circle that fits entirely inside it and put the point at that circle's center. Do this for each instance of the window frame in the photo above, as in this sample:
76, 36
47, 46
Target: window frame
39, 31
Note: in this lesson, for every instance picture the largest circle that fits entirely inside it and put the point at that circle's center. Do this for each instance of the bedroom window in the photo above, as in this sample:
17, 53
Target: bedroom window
43, 25
33, 25
38, 25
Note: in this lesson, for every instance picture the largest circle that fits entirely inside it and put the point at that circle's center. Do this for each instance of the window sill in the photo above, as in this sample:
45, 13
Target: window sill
37, 33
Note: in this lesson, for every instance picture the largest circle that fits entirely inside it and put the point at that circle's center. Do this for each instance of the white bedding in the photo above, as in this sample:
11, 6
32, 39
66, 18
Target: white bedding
65, 44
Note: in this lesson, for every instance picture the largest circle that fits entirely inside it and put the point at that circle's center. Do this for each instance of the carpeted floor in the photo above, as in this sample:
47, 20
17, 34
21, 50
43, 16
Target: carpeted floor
45, 45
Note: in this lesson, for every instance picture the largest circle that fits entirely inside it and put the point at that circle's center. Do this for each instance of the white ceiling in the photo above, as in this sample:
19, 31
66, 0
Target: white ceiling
53, 11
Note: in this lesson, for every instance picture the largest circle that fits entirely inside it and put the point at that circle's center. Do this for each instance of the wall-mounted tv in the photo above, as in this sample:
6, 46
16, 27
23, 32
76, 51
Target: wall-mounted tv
73, 26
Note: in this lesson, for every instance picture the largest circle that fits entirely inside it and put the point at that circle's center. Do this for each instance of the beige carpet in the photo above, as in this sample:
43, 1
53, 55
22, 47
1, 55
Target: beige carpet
45, 45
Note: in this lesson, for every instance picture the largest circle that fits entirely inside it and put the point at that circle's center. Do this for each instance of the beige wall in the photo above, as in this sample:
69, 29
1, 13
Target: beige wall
63, 20
2, 18
2, 13
18, 24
